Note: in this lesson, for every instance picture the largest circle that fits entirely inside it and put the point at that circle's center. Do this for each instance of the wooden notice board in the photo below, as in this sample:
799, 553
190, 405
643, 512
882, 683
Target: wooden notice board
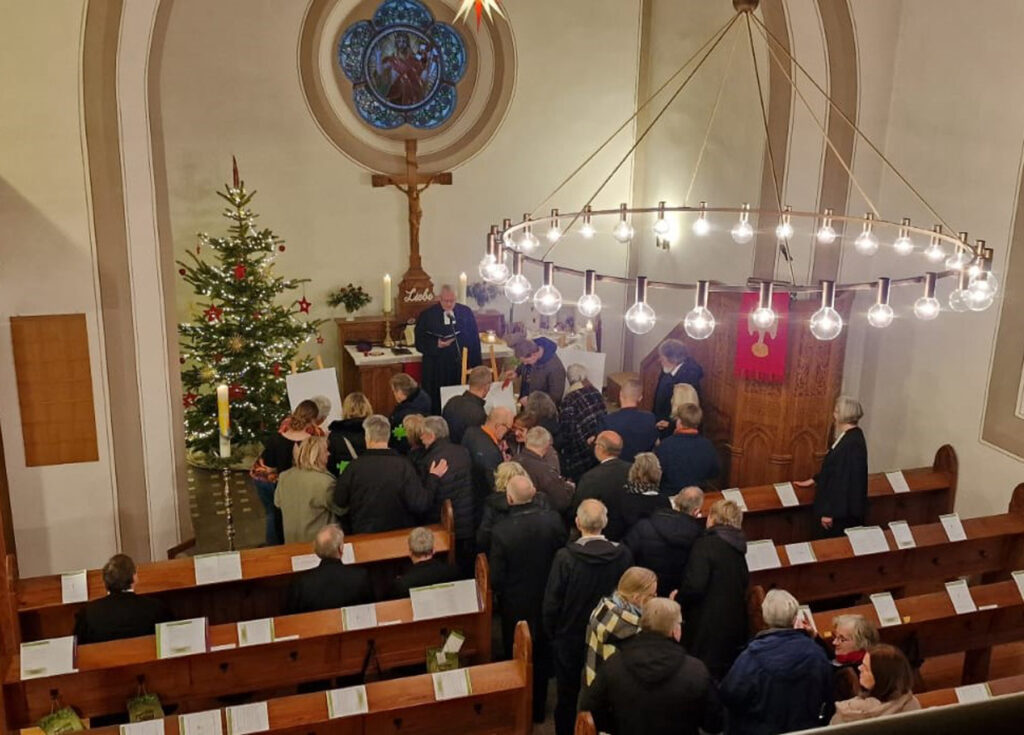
51, 362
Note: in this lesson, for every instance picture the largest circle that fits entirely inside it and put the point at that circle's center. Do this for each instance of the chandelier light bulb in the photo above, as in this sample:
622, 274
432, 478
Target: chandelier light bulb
881, 314
960, 297
764, 316
742, 232
701, 226
699, 322
826, 323
517, 288
484, 268
640, 318
961, 256
935, 252
587, 228
623, 231
826, 233
554, 233
984, 286
785, 229
589, 304
548, 299
867, 242
927, 307
661, 225
903, 245
528, 242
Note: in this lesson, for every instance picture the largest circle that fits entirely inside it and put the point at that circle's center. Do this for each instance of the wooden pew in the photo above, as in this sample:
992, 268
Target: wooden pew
998, 687
110, 673
932, 493
261, 592
500, 703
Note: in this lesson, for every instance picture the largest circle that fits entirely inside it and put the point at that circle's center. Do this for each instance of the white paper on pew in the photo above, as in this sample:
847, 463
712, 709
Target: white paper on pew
801, 553
441, 600
452, 684
74, 587
787, 495
867, 540
359, 617
347, 702
762, 555
1018, 577
454, 642
222, 567
49, 657
973, 693
201, 723
302, 562
954, 528
148, 727
735, 496
902, 534
246, 718
960, 595
897, 481
255, 632
348, 554
181, 638
804, 611
885, 608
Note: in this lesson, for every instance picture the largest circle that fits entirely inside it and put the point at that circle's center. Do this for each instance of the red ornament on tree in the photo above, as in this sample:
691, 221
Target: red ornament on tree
239, 272
319, 339
277, 370
213, 313
189, 399
256, 316
235, 391
304, 305
181, 271
280, 248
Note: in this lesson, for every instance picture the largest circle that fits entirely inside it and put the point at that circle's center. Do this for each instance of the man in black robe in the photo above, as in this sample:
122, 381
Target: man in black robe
442, 330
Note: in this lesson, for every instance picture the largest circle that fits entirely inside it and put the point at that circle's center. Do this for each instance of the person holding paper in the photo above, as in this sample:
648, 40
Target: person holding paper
331, 583
346, 440
426, 568
607, 482
664, 540
454, 483
539, 369
122, 613
442, 331
887, 681
676, 367
638, 428
304, 492
469, 408
580, 420
841, 487
687, 457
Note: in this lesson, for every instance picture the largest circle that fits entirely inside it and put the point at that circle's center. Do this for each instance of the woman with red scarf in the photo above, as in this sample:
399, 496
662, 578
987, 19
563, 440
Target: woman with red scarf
852, 636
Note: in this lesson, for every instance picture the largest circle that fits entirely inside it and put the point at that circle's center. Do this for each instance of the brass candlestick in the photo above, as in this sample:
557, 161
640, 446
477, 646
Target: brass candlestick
388, 342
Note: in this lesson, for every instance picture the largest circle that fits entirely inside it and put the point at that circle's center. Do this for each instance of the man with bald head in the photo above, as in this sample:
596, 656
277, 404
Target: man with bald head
332, 583
486, 448
523, 546
582, 573
442, 331
607, 482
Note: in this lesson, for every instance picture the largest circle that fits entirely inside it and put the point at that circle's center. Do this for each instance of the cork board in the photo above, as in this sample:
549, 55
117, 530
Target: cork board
51, 362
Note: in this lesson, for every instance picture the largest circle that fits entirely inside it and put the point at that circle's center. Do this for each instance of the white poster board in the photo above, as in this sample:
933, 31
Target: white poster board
313, 383
592, 361
496, 396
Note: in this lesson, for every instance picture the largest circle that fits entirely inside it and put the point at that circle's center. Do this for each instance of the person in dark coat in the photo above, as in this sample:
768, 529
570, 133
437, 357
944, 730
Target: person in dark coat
442, 331
380, 489
523, 547
783, 681
539, 369
638, 428
332, 583
676, 367
496, 506
468, 408
122, 613
346, 440
454, 484
643, 490
652, 686
409, 399
545, 478
841, 497
426, 569
606, 482
662, 542
582, 573
687, 458
484, 444
713, 591
580, 419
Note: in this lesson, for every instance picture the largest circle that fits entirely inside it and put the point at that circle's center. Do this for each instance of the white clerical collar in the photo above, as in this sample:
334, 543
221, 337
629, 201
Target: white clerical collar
673, 371
839, 438
449, 317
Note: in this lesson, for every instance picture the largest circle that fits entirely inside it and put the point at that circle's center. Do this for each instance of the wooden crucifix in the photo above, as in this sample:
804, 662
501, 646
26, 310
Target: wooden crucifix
416, 290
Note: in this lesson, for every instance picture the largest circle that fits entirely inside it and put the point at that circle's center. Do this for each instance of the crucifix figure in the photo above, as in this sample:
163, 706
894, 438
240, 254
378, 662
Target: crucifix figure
416, 289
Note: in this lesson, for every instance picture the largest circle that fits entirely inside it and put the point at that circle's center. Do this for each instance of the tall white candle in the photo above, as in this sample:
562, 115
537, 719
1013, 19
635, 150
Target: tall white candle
462, 288
224, 420
387, 293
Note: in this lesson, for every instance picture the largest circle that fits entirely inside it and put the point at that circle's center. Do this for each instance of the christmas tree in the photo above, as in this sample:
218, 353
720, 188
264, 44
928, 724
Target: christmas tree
246, 337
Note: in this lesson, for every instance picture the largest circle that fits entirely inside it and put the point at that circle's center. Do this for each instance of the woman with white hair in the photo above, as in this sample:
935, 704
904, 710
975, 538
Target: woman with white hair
841, 494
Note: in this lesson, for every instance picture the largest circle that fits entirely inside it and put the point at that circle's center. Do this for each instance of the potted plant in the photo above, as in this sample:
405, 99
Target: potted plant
352, 297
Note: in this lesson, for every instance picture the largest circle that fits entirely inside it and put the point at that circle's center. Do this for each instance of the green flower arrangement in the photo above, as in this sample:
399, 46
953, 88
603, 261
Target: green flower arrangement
352, 297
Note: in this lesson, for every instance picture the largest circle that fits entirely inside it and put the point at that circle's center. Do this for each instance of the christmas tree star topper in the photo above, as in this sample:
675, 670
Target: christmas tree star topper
479, 7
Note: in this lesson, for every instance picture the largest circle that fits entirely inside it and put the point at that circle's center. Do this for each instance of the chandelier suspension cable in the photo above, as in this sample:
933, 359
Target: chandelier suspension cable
771, 153
854, 126
645, 131
636, 112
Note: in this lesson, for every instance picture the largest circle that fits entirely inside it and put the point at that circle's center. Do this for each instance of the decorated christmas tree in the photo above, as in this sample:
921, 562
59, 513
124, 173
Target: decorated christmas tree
246, 335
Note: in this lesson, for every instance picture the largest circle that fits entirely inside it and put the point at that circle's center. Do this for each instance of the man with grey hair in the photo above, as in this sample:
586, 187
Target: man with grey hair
607, 482
545, 477
638, 428
579, 422
380, 488
662, 542
676, 367
331, 583
582, 573
443, 330
469, 408
454, 484
783, 680
426, 569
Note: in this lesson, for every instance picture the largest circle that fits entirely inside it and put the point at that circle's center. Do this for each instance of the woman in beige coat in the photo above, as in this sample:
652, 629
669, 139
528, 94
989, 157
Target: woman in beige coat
304, 492
886, 679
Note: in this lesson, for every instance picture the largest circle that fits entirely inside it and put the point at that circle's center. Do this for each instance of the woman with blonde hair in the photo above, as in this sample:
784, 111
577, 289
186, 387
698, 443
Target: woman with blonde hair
346, 440
684, 393
496, 505
304, 492
617, 617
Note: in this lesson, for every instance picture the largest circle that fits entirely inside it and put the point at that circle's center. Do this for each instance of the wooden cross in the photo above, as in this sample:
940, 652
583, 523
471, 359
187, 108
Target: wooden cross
416, 289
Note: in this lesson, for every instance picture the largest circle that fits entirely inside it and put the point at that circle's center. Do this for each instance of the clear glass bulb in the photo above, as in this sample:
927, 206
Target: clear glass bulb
866, 243
926, 308
589, 305
784, 231
958, 260
623, 231
528, 243
587, 230
517, 289
661, 227
960, 300
984, 283
547, 300
973, 270
979, 301
701, 226
554, 233
827, 235
826, 324
880, 315
742, 233
903, 245
934, 252
496, 272
699, 323
763, 317
485, 265
640, 318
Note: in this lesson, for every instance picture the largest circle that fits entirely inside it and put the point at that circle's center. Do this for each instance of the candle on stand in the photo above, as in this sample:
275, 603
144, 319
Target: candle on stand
223, 420
462, 288
387, 293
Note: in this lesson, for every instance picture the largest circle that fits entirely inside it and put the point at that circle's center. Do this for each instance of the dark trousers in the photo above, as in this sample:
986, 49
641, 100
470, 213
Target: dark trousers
568, 659
541, 659
839, 526
465, 557
274, 522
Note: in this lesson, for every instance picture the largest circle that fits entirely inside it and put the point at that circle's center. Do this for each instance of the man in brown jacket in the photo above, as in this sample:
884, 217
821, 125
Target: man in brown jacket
543, 475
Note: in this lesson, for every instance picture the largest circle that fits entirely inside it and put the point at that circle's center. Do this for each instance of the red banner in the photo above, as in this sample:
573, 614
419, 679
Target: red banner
761, 353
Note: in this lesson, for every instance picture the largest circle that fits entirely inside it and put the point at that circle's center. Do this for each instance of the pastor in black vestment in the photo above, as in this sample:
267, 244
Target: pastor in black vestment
442, 330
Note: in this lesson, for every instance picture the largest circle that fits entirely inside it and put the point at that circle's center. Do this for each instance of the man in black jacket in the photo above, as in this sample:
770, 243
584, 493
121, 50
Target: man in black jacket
542, 472
607, 482
582, 573
484, 446
468, 409
454, 484
380, 488
122, 613
662, 542
426, 569
676, 367
651, 686
523, 546
332, 583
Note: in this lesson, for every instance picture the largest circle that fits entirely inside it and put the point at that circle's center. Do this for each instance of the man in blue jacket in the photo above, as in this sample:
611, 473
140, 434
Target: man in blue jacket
687, 457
